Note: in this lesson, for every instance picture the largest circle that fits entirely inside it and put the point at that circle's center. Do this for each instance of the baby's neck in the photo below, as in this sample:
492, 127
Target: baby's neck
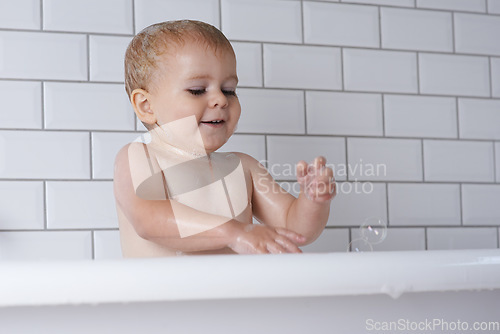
162, 142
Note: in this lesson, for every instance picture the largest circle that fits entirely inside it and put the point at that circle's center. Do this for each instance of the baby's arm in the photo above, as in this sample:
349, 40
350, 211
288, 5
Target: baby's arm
154, 220
306, 215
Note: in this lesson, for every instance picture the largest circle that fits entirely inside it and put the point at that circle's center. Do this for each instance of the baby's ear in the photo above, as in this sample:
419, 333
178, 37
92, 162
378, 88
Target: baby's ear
142, 107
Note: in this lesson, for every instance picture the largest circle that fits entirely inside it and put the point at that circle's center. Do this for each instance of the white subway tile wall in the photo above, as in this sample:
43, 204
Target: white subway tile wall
420, 116
108, 16
80, 205
80, 106
461, 238
40, 55
339, 24
411, 29
283, 152
384, 159
493, 6
476, 33
249, 63
45, 245
420, 204
456, 5
396, 239
107, 245
333, 113
271, 111
458, 161
271, 20
149, 12
44, 155
380, 71
22, 205
106, 56
357, 201
480, 204
401, 96
331, 240
495, 76
313, 67
479, 118
444, 74
21, 104
21, 14
105, 146
403, 3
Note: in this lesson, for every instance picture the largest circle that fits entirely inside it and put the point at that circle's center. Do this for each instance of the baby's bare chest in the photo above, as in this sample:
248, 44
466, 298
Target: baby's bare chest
217, 185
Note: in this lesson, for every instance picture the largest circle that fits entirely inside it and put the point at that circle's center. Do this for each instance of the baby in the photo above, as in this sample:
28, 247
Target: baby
175, 194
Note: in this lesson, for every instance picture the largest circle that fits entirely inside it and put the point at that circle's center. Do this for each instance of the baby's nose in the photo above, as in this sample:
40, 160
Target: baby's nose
218, 100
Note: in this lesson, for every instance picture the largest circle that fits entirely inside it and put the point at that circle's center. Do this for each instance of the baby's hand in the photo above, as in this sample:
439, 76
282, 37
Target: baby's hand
262, 239
316, 180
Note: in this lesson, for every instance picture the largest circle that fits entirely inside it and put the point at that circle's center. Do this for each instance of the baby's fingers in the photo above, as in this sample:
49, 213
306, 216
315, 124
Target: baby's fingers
301, 169
289, 246
276, 248
295, 237
319, 162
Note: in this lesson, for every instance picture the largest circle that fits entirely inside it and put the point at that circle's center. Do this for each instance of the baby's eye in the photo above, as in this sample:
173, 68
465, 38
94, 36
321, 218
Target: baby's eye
229, 92
196, 91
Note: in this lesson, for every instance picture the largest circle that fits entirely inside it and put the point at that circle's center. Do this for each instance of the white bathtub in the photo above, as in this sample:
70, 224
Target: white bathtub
293, 293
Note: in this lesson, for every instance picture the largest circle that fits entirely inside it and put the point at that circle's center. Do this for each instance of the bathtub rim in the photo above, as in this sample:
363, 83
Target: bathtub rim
246, 276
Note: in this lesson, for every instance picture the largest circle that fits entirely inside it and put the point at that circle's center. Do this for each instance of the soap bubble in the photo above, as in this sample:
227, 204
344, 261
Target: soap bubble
359, 245
373, 230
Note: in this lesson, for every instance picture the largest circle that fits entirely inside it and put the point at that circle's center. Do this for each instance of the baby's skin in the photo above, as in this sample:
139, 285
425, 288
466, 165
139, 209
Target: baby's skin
176, 195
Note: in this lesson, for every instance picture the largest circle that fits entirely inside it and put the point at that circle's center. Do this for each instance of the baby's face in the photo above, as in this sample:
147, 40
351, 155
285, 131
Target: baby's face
195, 81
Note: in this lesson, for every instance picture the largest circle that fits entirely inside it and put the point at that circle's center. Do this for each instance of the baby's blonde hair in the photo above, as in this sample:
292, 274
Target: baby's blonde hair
141, 57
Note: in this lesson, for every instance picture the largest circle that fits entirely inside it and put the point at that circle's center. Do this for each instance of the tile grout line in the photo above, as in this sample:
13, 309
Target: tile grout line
379, 28
283, 134
42, 107
460, 196
423, 159
490, 77
133, 17
454, 51
418, 73
262, 65
90, 156
342, 71
387, 203
45, 211
265, 151
220, 14
302, 21
41, 15
457, 112
400, 181
111, 229
305, 112
426, 242
346, 157
88, 57
494, 163
383, 114
92, 244
498, 237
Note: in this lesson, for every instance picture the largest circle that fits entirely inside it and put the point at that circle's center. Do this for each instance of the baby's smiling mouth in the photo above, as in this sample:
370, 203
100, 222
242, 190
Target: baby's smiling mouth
215, 123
